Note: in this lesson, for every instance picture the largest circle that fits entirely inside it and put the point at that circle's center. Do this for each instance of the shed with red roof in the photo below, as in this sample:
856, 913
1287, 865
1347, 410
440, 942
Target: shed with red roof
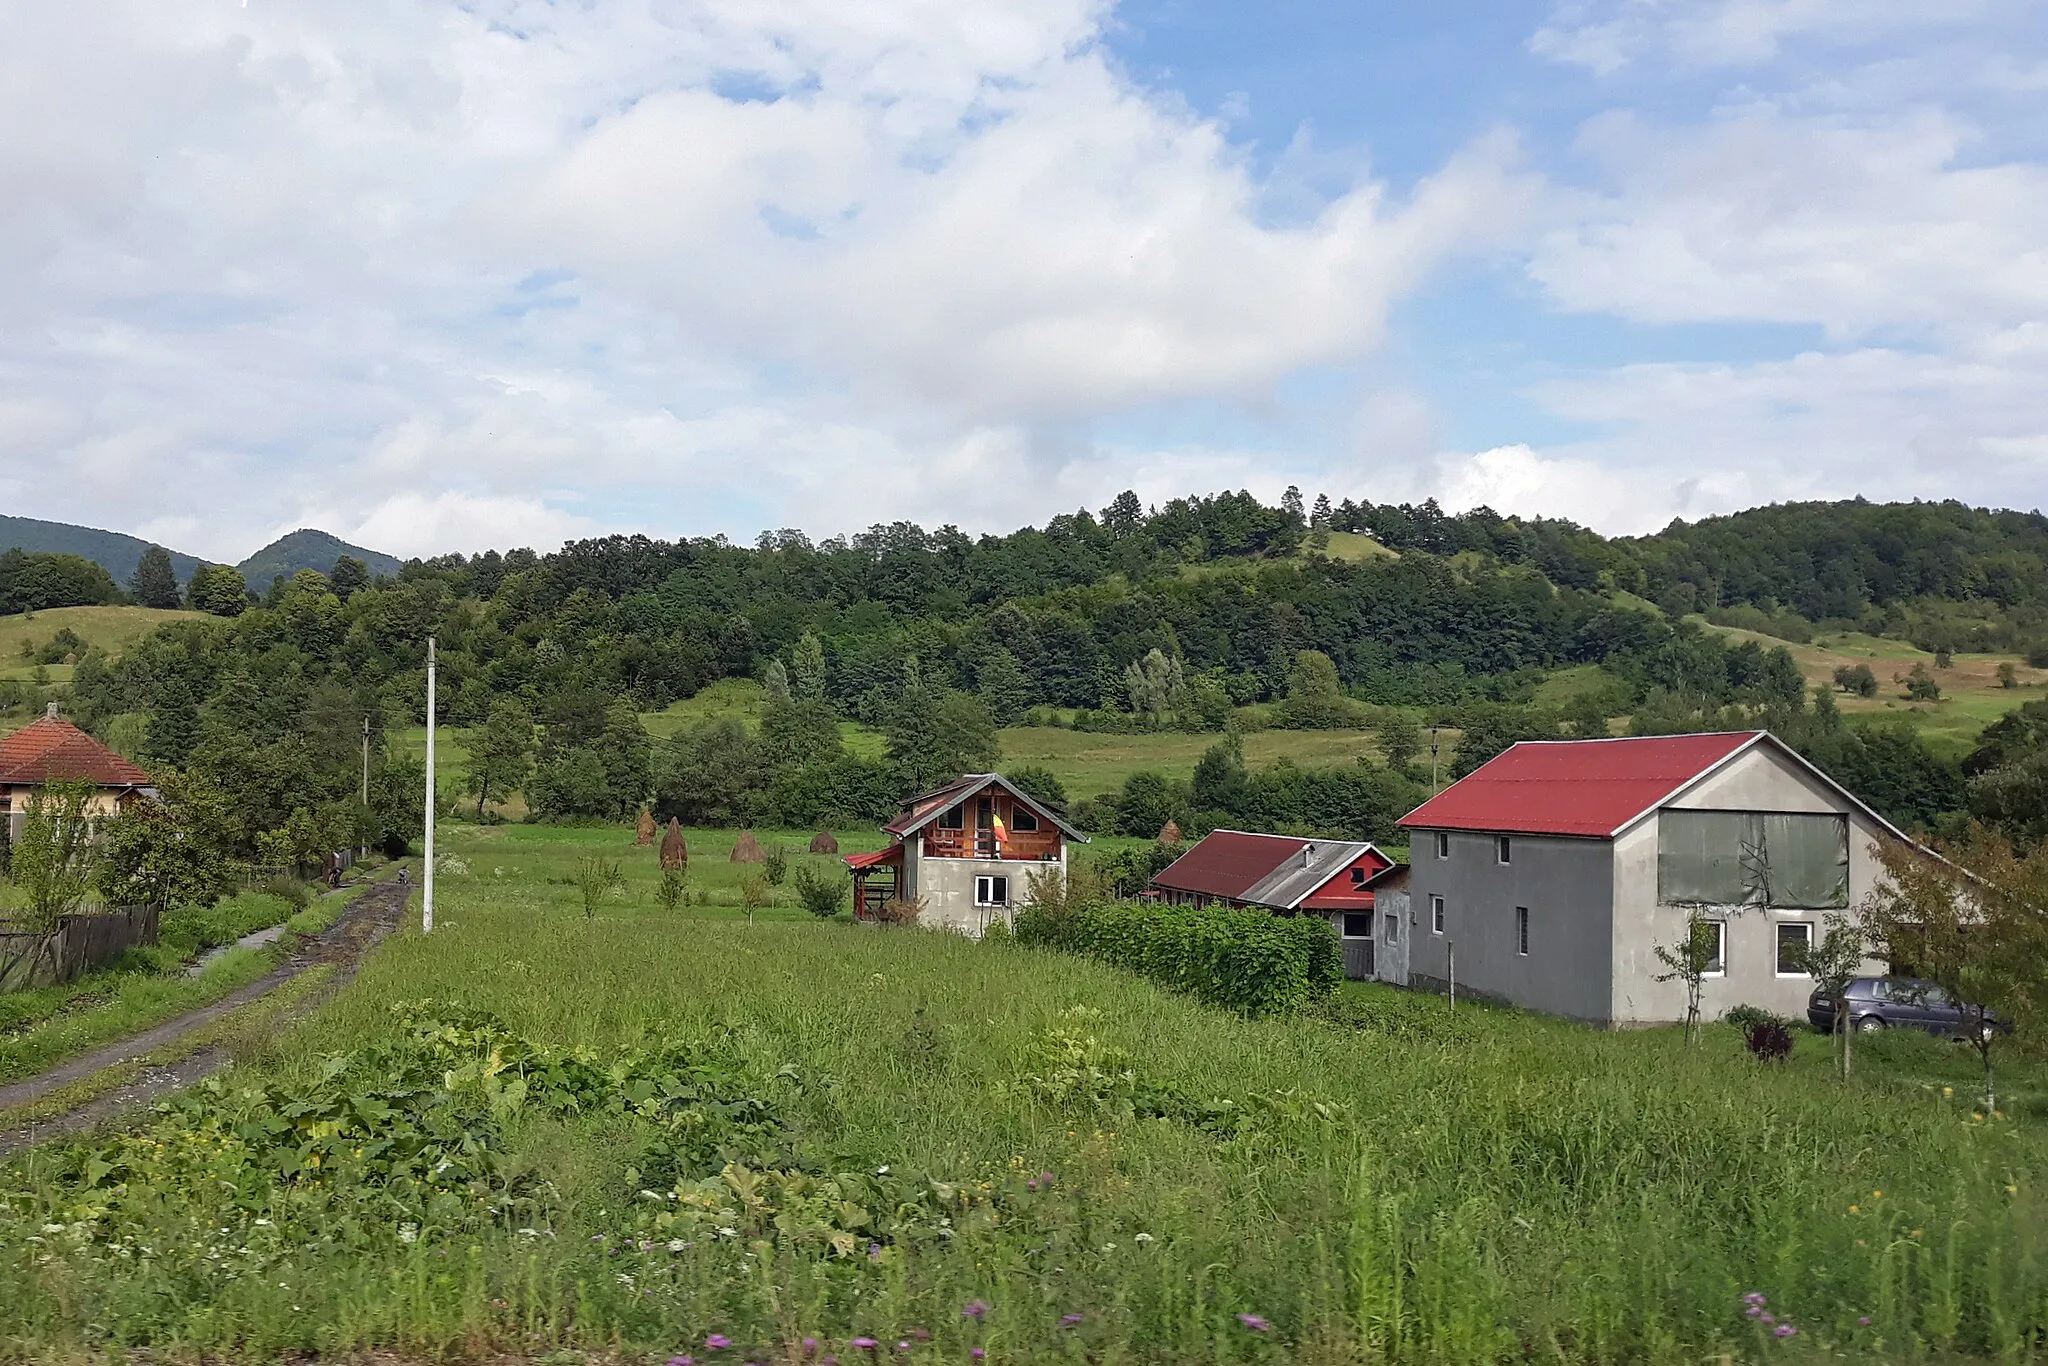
1348, 882
1551, 874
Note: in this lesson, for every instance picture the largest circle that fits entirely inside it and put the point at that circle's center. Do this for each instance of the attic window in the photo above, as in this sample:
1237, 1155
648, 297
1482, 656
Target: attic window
953, 819
1021, 818
1358, 877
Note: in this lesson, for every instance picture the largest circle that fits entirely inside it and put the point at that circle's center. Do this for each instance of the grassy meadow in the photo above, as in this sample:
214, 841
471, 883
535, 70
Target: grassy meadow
902, 1143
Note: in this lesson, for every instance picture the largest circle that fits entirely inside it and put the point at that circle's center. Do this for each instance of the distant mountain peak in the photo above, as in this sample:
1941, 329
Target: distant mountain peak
309, 548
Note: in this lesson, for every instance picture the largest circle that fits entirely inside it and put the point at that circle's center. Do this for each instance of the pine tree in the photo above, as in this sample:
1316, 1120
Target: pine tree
1290, 505
156, 582
349, 575
1320, 516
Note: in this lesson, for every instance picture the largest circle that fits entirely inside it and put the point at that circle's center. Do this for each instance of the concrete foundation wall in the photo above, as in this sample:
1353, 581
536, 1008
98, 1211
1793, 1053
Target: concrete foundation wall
947, 887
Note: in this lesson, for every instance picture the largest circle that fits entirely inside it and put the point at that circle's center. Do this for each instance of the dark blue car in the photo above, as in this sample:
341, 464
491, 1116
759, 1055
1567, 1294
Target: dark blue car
1904, 1003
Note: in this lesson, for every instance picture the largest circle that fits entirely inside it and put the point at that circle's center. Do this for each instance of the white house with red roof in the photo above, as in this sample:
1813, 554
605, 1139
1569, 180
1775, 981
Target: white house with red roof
53, 750
965, 853
1350, 883
1551, 873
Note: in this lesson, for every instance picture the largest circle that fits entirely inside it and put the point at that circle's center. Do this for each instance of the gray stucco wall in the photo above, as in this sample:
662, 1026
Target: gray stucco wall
1568, 886
1761, 779
947, 886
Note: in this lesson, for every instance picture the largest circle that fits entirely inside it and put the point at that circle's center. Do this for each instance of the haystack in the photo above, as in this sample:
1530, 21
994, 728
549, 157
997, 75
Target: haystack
643, 833
748, 849
1169, 834
823, 843
674, 852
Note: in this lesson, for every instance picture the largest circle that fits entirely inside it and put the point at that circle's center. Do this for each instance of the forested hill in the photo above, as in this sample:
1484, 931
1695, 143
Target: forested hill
114, 552
1872, 566
1213, 614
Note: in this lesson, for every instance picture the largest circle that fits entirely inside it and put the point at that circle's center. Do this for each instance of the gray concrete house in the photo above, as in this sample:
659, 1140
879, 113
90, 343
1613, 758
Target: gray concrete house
967, 852
1550, 875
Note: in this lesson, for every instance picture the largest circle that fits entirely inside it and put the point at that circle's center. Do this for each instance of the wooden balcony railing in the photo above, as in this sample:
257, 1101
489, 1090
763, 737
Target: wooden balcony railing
1035, 846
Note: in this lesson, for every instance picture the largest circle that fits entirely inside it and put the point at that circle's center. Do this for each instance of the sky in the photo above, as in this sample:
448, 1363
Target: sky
445, 276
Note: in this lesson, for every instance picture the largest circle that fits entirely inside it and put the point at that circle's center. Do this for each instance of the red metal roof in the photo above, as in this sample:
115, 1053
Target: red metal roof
893, 854
52, 749
1228, 863
1591, 788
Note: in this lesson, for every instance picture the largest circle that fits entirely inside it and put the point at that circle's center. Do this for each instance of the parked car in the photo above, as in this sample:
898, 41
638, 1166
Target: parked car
1903, 1003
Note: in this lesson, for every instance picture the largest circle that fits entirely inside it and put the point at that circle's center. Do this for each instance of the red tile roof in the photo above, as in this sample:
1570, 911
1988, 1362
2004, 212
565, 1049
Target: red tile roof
1591, 788
52, 749
1228, 863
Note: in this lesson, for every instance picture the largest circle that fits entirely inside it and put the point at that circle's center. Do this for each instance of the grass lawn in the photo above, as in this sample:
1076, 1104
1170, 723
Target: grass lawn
1090, 762
792, 1129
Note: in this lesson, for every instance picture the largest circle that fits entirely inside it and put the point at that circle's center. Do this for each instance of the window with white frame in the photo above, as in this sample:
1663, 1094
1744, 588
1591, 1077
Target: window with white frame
1522, 931
1502, 852
1393, 935
991, 891
1795, 937
1443, 844
1717, 958
1436, 915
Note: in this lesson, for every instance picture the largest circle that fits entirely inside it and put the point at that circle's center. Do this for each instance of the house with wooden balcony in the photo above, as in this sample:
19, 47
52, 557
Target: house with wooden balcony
965, 854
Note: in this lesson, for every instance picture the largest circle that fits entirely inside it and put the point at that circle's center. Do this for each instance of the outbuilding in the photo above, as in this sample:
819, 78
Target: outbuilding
1550, 875
1350, 883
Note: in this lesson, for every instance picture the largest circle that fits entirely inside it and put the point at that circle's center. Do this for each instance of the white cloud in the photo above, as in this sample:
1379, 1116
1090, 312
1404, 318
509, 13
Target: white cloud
416, 524
1607, 35
706, 259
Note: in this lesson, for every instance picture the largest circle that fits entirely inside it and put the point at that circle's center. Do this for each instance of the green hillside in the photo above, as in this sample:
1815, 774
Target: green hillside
309, 549
113, 551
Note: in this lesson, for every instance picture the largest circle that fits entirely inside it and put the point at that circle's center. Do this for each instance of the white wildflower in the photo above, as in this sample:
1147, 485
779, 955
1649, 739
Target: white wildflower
1142, 1238
676, 1245
408, 1233
59, 1228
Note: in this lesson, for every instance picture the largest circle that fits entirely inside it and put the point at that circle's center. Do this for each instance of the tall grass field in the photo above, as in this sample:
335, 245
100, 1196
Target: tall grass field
647, 1135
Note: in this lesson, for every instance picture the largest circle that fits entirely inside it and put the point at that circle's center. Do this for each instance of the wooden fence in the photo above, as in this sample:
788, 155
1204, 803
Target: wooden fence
86, 939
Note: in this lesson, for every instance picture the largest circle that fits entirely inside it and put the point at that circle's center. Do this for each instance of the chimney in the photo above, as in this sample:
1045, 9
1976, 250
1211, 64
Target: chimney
50, 712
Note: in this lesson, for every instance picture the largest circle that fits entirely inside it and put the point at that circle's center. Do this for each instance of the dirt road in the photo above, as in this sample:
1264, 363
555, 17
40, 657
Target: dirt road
369, 918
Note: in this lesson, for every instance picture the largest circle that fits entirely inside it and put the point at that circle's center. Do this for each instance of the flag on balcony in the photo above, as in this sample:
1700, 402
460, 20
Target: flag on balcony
996, 821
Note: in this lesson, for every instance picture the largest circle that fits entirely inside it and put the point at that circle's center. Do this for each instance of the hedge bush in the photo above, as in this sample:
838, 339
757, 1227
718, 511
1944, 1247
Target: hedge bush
1250, 961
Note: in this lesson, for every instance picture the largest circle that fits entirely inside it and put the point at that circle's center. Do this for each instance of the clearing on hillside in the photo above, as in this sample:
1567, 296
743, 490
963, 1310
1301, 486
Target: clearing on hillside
112, 629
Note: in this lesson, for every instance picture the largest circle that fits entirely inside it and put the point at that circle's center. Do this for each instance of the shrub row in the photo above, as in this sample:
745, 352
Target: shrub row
1249, 961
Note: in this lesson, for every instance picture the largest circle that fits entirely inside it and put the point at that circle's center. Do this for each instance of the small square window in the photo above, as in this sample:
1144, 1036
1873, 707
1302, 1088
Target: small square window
1502, 853
1522, 930
953, 819
1358, 925
1436, 915
1443, 844
1358, 877
1794, 938
992, 891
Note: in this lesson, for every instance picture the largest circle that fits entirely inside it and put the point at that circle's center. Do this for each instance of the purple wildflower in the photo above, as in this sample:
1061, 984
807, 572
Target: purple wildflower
976, 1310
682, 1361
1754, 1311
1765, 1318
1255, 1323
1786, 1330
866, 1344
1032, 1184
1864, 1321
976, 1353
810, 1347
1045, 1178
903, 1344
829, 1361
874, 1252
1069, 1320
1753, 1297
717, 1342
